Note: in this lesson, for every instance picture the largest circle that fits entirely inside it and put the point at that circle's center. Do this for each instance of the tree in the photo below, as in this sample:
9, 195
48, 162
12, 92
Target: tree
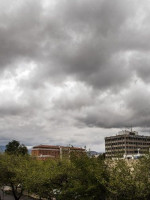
13, 173
85, 178
122, 183
142, 177
101, 156
14, 147
47, 179
40, 178
79, 177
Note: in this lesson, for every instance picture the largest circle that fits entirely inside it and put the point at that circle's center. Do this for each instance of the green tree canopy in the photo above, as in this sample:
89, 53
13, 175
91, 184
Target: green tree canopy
84, 178
14, 172
14, 147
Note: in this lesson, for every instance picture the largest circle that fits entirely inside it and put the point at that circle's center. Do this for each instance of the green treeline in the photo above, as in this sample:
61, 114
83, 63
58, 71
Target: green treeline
78, 178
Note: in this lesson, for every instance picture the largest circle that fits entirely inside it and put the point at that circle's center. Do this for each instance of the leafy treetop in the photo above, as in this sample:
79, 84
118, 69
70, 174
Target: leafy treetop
14, 147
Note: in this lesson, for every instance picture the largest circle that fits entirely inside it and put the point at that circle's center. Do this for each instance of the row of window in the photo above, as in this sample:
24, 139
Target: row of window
127, 147
123, 143
114, 152
128, 138
44, 152
121, 152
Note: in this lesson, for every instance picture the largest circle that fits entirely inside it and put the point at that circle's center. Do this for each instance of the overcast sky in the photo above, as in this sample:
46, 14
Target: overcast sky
73, 71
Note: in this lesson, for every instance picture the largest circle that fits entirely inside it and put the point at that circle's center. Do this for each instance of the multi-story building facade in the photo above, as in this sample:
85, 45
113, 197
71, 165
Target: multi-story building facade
44, 152
126, 143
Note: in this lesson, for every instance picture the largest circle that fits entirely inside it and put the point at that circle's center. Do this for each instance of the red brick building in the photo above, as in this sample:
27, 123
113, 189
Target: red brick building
44, 152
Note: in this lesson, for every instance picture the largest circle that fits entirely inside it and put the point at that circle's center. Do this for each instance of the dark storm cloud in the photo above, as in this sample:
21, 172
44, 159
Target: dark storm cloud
10, 110
76, 38
91, 51
72, 67
17, 29
83, 39
141, 64
138, 103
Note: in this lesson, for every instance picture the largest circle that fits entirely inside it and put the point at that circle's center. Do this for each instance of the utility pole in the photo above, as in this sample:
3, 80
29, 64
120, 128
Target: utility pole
60, 152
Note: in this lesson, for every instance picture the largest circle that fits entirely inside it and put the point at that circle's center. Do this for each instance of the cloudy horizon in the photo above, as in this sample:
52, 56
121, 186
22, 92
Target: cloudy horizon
73, 72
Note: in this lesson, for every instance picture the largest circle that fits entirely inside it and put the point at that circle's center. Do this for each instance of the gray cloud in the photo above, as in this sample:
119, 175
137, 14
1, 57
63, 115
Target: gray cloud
90, 34
72, 71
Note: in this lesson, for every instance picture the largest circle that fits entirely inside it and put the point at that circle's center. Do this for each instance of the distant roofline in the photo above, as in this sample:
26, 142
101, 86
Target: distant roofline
56, 147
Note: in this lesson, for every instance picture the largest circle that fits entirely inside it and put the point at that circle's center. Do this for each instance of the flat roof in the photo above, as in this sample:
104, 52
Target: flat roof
122, 135
57, 147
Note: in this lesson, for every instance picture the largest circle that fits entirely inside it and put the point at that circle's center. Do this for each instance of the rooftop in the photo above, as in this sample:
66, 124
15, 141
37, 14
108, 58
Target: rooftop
126, 132
57, 147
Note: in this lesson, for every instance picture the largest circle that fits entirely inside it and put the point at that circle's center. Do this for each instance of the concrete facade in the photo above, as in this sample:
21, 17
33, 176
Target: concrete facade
126, 143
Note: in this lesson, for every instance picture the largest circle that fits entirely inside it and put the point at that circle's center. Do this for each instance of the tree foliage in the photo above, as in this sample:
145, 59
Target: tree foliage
77, 178
13, 173
14, 147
